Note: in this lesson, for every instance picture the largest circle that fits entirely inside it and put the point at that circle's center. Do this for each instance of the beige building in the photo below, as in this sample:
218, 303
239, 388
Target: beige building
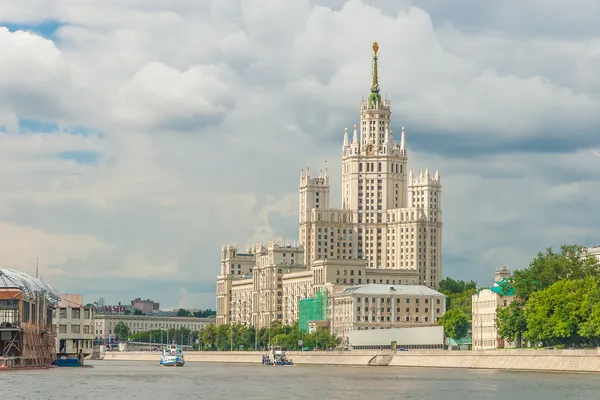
74, 325
388, 229
377, 306
594, 251
145, 306
484, 305
104, 325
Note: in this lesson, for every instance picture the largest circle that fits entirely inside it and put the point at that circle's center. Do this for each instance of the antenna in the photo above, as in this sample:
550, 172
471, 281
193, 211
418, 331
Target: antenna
37, 267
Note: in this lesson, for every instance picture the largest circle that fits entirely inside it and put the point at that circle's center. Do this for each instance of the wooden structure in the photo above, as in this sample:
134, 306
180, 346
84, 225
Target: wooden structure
27, 335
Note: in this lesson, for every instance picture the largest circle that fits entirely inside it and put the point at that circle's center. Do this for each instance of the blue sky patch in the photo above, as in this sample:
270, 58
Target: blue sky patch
82, 156
35, 126
45, 28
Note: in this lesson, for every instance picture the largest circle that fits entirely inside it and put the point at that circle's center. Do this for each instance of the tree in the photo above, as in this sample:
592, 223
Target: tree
456, 324
451, 286
572, 262
205, 314
208, 337
459, 297
138, 312
183, 313
565, 314
121, 330
511, 322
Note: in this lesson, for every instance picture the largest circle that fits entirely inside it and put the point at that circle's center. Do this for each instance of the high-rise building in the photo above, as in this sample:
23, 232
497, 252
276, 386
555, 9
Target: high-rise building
387, 231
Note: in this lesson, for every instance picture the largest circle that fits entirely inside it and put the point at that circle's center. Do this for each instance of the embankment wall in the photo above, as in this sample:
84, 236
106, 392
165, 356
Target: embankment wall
530, 360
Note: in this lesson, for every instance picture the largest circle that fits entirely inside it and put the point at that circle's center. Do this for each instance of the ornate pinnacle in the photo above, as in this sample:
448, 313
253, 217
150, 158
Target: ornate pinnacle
375, 97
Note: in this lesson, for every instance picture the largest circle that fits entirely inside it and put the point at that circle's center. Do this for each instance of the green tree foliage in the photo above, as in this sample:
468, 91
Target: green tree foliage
198, 314
183, 313
183, 336
459, 294
558, 300
138, 312
456, 323
565, 314
547, 268
511, 322
450, 286
205, 314
121, 330
240, 337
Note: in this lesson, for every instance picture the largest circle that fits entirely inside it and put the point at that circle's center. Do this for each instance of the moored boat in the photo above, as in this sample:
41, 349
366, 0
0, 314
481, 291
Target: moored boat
27, 334
172, 356
69, 360
276, 356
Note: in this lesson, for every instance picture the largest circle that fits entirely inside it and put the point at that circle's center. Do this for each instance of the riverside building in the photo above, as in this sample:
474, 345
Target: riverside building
484, 306
388, 230
74, 323
104, 325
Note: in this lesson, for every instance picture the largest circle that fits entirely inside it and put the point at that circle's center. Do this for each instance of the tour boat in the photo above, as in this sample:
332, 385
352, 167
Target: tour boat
172, 356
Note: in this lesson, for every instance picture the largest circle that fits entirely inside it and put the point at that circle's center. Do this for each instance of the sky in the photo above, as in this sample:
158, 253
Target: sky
139, 136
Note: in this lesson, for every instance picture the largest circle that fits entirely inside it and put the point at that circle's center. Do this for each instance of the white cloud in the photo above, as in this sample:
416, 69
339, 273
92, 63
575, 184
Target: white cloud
208, 111
21, 245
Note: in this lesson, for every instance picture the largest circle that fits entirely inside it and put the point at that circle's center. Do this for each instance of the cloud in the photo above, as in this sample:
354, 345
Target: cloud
137, 137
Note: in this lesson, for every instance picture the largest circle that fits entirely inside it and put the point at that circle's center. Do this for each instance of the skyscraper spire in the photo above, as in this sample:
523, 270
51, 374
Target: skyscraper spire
375, 97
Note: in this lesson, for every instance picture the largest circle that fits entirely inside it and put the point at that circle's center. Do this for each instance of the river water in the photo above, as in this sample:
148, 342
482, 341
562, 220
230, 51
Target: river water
117, 380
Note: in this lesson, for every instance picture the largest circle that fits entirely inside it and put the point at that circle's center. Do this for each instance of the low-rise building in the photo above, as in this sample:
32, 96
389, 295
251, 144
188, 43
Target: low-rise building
594, 251
146, 306
484, 307
74, 324
104, 325
380, 306
407, 338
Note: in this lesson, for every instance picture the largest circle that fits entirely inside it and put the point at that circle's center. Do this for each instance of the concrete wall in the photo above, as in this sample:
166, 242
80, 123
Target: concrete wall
255, 357
534, 360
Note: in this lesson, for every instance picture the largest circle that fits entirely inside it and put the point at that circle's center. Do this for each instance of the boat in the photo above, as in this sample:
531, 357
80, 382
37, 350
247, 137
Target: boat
69, 360
172, 356
276, 356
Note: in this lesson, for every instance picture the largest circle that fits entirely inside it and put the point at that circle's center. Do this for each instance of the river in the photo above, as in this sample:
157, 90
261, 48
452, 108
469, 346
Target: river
117, 380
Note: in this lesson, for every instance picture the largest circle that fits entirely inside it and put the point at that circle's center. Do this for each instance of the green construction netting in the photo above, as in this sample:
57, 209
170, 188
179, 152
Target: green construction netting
313, 309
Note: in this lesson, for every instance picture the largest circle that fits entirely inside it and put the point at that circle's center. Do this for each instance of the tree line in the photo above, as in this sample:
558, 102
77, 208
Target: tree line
558, 301
288, 337
227, 337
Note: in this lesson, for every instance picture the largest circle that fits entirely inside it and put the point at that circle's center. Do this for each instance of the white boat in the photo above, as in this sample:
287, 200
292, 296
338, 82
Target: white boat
276, 356
172, 356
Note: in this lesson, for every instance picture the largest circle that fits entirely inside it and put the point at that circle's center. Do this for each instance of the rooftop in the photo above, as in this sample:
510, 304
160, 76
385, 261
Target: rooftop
380, 289
503, 289
11, 279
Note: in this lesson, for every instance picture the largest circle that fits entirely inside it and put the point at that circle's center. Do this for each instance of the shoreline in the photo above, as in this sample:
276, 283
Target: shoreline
587, 361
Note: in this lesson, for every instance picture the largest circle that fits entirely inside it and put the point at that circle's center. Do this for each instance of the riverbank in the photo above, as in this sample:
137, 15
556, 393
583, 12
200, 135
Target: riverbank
526, 360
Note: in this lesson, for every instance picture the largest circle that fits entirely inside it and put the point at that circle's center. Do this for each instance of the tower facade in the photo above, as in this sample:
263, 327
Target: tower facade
397, 215
388, 230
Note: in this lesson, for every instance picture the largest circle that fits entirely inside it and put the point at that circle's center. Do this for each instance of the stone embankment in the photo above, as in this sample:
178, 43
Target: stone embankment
529, 360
